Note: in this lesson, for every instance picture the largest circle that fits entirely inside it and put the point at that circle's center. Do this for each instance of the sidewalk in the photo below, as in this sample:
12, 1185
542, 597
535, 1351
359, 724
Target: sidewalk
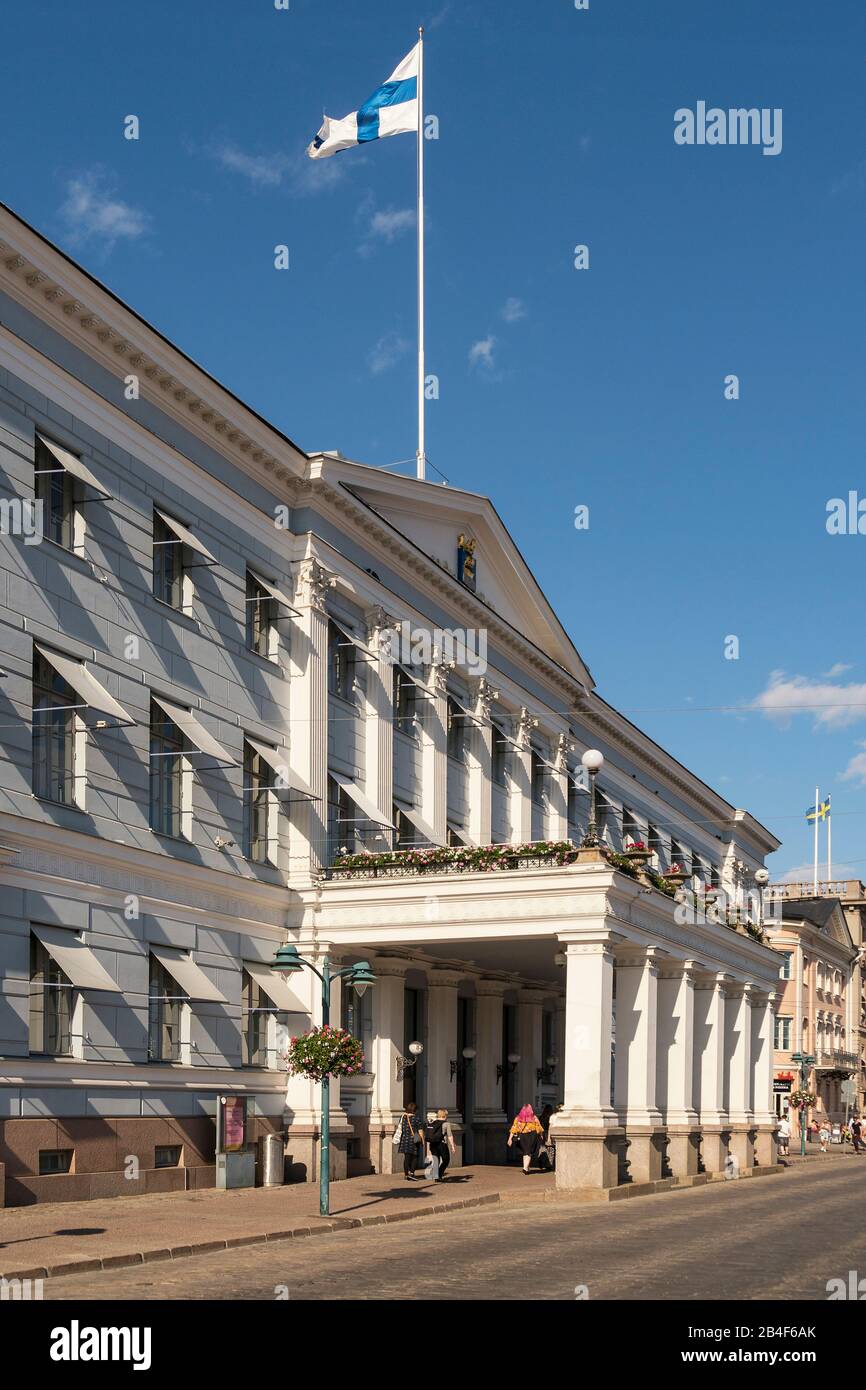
52, 1239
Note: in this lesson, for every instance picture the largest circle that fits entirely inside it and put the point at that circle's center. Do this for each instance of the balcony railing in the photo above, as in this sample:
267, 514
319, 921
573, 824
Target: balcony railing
827, 888
837, 1061
453, 860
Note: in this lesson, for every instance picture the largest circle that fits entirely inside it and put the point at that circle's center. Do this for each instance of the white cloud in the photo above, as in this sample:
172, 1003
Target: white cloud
856, 769
387, 351
513, 310
831, 706
389, 223
91, 212
262, 170
838, 669
481, 353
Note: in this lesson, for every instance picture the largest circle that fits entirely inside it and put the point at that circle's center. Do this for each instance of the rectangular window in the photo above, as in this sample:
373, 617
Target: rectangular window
341, 663
260, 617
258, 804
500, 757
165, 1004
458, 732
256, 1009
168, 566
166, 774
405, 833
342, 827
54, 727
167, 1156
631, 831
538, 771
785, 971
405, 703
782, 1040
51, 1004
52, 1161
357, 1019
53, 488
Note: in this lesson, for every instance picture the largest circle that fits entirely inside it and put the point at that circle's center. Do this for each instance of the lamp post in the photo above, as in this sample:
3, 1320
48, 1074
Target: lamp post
592, 760
288, 961
804, 1061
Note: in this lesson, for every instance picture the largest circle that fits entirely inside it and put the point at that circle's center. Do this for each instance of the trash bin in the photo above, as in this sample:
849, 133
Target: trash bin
273, 1160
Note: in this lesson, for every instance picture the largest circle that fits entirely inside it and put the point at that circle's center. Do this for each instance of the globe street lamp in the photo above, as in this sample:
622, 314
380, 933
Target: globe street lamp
592, 760
288, 961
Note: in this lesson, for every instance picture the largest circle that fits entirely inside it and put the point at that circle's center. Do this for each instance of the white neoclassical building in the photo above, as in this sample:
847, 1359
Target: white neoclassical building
252, 695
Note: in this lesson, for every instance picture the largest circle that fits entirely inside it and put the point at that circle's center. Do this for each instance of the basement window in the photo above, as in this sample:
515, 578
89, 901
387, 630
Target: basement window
167, 1156
53, 1161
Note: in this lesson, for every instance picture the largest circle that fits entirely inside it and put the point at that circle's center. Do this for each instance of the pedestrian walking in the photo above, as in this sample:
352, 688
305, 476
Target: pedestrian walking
526, 1129
548, 1148
824, 1136
440, 1142
407, 1136
784, 1135
856, 1133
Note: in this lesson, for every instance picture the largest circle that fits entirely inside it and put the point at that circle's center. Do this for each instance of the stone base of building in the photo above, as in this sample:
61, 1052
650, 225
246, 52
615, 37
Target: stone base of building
742, 1146
715, 1147
684, 1151
646, 1152
766, 1148
302, 1154
490, 1142
587, 1157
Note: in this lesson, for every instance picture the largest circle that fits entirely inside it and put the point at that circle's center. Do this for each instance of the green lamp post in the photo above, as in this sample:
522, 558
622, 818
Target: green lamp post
288, 961
804, 1061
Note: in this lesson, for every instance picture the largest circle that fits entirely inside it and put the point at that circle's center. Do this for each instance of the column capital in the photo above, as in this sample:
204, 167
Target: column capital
440, 977
377, 621
485, 697
314, 584
564, 746
711, 979
672, 969
487, 987
383, 966
590, 942
532, 994
522, 725
632, 956
437, 680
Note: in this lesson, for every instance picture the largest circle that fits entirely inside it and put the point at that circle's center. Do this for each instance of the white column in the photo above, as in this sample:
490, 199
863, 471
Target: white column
675, 1064
738, 1028
387, 1097
636, 1049
557, 815
587, 1130
710, 1069
434, 752
520, 797
308, 705
442, 986
489, 1117
481, 765
763, 1027
379, 715
529, 1010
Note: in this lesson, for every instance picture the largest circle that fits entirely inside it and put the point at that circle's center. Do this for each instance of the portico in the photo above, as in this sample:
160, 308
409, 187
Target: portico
665, 1063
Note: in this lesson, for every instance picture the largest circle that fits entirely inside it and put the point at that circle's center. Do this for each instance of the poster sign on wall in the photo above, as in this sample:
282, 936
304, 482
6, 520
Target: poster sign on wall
232, 1134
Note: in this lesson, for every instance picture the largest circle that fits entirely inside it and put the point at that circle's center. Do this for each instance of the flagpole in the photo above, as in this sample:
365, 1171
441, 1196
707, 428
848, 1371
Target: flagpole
421, 456
829, 854
815, 876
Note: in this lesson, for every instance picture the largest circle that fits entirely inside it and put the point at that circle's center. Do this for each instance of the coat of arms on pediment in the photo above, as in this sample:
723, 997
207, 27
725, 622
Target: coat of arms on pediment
466, 560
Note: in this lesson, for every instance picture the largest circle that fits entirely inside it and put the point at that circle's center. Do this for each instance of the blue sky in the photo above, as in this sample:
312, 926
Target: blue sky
558, 387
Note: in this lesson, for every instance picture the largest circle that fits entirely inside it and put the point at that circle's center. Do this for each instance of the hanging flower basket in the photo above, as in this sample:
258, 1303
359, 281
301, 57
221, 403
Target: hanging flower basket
637, 850
325, 1052
675, 874
802, 1100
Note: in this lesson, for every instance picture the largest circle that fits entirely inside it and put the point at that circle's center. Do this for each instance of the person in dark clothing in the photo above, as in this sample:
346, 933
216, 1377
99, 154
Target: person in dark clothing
409, 1135
856, 1133
440, 1141
528, 1133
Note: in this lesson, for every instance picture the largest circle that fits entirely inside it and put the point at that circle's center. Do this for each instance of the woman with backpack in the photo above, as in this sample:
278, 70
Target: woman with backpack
407, 1136
527, 1130
440, 1142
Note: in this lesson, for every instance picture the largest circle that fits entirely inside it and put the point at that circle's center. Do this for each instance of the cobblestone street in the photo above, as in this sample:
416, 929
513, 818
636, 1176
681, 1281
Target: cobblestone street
732, 1241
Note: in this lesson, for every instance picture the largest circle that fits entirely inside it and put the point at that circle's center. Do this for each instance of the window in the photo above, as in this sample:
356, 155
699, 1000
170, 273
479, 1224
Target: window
458, 732
405, 833
655, 843
166, 774
165, 1004
260, 617
256, 1010
341, 663
51, 1004
357, 1019
538, 770
785, 969
258, 805
168, 566
53, 488
574, 801
405, 703
500, 757
342, 830
167, 1156
782, 1040
53, 1161
54, 730
630, 828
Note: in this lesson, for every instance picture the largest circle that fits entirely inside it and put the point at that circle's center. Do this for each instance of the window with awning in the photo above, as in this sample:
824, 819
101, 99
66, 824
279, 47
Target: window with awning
95, 699
276, 987
286, 778
194, 732
369, 810
60, 461
417, 821
75, 959
182, 535
192, 980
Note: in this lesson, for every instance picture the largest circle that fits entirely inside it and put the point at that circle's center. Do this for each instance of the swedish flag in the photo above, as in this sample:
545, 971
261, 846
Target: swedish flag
821, 813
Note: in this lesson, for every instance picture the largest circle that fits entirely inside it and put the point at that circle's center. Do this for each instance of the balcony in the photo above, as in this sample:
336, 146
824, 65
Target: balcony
836, 1061
453, 860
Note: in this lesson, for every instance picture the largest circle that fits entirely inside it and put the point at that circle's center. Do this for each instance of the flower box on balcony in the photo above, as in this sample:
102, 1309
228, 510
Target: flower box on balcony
637, 850
676, 874
439, 859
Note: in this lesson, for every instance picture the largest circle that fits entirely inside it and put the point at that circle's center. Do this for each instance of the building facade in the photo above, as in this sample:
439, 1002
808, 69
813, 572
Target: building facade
250, 695
821, 1011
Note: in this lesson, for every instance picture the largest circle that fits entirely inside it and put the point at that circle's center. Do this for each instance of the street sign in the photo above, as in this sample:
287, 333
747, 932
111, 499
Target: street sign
781, 1088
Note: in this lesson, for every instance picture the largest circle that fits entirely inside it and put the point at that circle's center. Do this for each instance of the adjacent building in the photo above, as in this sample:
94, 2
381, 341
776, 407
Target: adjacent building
250, 694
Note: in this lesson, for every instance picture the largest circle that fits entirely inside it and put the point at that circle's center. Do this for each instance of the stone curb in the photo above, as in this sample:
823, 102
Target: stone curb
177, 1252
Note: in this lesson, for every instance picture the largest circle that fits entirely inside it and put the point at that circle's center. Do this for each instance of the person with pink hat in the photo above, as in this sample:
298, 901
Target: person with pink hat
527, 1130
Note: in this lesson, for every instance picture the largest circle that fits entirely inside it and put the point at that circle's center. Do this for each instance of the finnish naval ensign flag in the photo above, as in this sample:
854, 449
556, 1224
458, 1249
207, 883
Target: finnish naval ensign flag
391, 110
